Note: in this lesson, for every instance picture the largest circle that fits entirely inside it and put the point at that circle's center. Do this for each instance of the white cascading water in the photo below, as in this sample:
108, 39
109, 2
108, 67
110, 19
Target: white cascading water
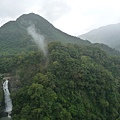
8, 102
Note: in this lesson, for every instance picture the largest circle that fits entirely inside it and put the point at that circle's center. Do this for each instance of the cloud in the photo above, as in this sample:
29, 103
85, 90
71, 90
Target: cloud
38, 39
87, 15
54, 9
51, 9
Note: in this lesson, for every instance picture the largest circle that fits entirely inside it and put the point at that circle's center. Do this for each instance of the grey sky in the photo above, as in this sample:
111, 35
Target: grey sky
71, 16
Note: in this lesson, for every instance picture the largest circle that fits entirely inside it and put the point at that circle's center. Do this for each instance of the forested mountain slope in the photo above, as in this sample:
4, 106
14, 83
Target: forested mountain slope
14, 37
72, 83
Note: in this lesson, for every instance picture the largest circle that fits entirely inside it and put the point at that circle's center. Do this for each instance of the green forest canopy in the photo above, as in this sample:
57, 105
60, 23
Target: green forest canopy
71, 83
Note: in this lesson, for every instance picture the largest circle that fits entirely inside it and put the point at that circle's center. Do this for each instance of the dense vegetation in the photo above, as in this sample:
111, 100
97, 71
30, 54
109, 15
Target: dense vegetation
71, 83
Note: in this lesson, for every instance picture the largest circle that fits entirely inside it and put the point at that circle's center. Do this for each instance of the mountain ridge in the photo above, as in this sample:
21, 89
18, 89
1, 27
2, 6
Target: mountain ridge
14, 33
108, 35
15, 39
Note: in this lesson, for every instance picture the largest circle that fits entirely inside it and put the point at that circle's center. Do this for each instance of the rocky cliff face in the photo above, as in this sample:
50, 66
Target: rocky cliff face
14, 81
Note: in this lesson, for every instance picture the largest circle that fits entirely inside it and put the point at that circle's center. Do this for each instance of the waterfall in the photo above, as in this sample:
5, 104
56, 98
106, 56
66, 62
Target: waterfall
8, 102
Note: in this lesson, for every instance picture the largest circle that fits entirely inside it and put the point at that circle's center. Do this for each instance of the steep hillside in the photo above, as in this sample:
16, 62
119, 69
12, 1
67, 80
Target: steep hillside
47, 29
107, 49
71, 83
109, 35
14, 37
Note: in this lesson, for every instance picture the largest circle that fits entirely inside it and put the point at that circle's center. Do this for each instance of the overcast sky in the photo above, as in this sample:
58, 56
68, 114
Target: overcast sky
74, 17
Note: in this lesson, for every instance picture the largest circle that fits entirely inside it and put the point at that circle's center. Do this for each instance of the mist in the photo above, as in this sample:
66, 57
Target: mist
38, 38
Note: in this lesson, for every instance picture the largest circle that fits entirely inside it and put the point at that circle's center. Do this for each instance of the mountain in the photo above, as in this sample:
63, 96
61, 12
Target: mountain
31, 31
77, 80
72, 83
14, 37
109, 35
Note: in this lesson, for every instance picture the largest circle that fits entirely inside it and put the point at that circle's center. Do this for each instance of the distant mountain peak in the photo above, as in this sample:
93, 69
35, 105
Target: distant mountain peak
109, 35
